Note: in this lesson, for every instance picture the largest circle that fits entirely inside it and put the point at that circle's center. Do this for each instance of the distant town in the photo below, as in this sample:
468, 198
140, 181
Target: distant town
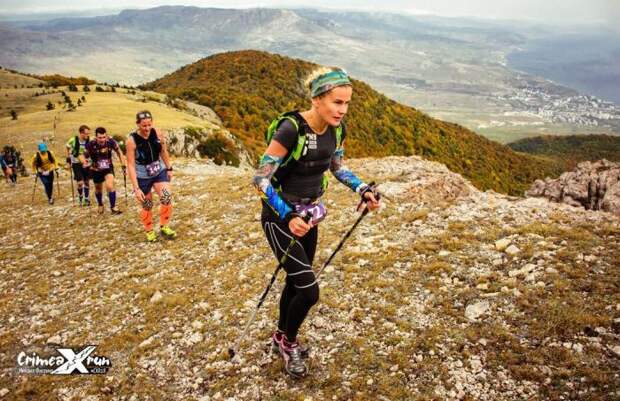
562, 108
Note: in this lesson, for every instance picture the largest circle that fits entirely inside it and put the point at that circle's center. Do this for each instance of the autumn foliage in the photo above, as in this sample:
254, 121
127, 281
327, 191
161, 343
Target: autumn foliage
247, 89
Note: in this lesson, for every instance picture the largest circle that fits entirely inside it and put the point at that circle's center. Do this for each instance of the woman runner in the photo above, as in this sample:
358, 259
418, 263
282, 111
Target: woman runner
148, 165
293, 189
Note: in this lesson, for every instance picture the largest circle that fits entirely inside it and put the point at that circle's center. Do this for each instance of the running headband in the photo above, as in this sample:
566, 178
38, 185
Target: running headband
328, 81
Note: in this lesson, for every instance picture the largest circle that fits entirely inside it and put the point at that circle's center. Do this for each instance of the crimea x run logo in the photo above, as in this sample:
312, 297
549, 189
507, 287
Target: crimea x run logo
66, 363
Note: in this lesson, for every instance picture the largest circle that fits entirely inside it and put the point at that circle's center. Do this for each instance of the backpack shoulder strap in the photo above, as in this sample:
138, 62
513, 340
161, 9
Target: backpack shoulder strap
295, 118
339, 137
341, 133
301, 136
76, 146
276, 122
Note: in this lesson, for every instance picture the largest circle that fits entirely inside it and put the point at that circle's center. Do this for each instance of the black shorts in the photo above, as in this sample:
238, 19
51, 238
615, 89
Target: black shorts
99, 175
79, 172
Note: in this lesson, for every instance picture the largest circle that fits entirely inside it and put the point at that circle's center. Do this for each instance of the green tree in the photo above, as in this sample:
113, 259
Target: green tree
50, 106
13, 115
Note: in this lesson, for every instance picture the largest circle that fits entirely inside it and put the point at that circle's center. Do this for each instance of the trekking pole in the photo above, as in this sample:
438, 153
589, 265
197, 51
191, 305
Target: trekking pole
348, 234
57, 184
34, 188
72, 189
125, 181
233, 351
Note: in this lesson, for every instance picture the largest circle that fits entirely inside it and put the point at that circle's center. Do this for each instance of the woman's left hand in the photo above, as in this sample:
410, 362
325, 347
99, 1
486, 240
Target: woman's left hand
371, 202
169, 175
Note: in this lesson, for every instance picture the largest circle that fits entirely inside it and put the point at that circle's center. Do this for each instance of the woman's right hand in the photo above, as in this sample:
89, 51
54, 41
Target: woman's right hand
299, 227
139, 195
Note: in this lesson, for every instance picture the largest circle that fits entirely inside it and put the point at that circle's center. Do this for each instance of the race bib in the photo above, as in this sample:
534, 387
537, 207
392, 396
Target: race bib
103, 164
317, 210
153, 169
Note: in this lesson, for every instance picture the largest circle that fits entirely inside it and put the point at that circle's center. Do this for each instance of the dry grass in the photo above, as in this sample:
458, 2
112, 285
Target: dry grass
115, 111
8, 80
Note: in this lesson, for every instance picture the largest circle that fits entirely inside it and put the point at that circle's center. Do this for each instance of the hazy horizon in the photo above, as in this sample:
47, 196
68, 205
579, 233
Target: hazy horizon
567, 12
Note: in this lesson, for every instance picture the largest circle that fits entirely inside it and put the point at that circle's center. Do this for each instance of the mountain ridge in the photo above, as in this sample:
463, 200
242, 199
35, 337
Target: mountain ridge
570, 150
454, 69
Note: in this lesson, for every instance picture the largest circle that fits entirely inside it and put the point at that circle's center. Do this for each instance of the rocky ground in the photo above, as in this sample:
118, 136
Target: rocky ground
447, 293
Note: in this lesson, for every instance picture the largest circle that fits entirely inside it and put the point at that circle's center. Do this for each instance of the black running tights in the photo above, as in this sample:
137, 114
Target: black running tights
301, 290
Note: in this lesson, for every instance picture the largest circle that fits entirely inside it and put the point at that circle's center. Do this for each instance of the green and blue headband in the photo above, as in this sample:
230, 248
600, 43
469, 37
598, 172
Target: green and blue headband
328, 81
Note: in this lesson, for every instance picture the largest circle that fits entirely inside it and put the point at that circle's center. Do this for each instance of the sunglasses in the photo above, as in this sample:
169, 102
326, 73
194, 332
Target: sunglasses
143, 116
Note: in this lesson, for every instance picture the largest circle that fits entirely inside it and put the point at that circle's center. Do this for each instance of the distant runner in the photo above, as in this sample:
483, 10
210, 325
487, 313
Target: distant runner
99, 152
44, 165
10, 164
75, 148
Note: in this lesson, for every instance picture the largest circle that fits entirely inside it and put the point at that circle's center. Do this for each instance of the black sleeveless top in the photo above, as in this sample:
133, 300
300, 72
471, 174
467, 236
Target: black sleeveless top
147, 150
303, 178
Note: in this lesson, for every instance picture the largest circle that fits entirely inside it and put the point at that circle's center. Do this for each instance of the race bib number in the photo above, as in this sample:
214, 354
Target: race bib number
103, 164
317, 210
153, 169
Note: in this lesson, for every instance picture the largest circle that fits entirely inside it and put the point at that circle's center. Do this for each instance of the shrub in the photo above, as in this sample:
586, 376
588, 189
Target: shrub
121, 142
216, 147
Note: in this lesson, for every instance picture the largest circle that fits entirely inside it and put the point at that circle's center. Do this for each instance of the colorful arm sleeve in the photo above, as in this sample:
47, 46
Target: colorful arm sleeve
343, 174
262, 181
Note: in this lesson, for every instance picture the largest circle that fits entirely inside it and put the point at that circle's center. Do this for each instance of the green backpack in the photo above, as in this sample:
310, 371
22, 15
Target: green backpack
76, 145
300, 148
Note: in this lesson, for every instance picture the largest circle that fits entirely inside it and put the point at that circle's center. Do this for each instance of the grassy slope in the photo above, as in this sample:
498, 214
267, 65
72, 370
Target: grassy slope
9, 79
115, 111
249, 88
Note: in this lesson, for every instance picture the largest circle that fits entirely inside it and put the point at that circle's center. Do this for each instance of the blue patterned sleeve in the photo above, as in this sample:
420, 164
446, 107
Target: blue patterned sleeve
343, 174
262, 181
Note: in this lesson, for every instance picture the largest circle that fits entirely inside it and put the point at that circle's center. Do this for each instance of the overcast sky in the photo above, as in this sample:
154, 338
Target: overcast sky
554, 11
